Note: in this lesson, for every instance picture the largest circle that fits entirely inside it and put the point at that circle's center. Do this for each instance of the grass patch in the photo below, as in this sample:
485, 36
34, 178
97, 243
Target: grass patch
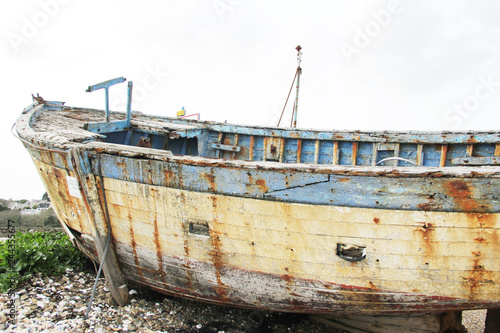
48, 253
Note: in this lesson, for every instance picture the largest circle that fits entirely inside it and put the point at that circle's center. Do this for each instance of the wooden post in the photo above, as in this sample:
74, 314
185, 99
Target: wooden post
444, 151
114, 278
335, 153
423, 323
446, 322
492, 321
450, 322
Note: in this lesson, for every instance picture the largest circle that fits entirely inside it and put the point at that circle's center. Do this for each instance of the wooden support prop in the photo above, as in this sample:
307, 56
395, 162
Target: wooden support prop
428, 323
492, 321
450, 322
114, 278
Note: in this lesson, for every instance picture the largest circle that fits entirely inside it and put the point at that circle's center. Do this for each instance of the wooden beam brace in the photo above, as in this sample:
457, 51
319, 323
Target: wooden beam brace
299, 150
420, 155
444, 151
316, 151
225, 147
335, 160
354, 152
250, 149
98, 223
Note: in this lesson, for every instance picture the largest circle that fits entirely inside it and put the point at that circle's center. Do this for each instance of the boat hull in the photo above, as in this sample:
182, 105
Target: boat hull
245, 249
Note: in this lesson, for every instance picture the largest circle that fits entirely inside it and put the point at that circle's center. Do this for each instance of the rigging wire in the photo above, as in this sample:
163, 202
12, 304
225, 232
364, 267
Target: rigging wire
282, 112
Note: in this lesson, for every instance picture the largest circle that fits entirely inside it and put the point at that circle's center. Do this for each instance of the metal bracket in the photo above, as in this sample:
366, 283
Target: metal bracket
113, 126
105, 85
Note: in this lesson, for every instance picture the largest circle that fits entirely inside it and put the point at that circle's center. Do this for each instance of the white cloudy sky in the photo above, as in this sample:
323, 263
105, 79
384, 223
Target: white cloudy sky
398, 65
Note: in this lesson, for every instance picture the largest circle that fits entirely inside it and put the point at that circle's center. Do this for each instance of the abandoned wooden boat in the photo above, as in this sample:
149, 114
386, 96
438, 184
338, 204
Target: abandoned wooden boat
280, 219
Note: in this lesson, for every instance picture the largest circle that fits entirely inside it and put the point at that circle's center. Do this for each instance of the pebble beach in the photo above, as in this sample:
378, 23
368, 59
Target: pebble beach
58, 304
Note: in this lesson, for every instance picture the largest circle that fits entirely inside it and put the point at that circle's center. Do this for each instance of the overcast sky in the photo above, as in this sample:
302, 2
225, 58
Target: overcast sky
399, 65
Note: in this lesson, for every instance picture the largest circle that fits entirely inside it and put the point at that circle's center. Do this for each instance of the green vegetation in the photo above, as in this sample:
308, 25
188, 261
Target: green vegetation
49, 253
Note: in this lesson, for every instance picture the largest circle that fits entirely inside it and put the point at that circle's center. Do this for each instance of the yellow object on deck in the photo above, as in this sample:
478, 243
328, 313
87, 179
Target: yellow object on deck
181, 112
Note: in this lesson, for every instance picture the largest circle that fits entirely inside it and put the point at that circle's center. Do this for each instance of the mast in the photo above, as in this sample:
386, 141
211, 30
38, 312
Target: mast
299, 71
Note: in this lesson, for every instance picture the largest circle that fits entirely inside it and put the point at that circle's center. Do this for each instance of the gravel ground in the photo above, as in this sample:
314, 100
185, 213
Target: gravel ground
474, 320
59, 305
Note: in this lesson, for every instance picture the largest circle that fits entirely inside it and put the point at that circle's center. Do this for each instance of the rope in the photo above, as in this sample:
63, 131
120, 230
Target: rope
282, 112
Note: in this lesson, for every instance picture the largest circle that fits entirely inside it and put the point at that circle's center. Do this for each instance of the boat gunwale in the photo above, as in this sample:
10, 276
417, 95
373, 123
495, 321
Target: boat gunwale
442, 137
50, 140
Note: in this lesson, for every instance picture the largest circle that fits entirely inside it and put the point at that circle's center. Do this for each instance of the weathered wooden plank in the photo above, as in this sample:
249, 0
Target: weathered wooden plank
307, 261
470, 149
250, 151
476, 161
230, 148
69, 209
236, 140
105, 127
440, 194
444, 151
374, 136
336, 156
316, 151
282, 150
420, 154
297, 212
263, 249
492, 324
111, 268
497, 149
354, 152
381, 324
299, 150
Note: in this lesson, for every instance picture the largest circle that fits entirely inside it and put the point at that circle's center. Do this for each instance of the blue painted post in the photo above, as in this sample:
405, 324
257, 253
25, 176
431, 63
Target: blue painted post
129, 103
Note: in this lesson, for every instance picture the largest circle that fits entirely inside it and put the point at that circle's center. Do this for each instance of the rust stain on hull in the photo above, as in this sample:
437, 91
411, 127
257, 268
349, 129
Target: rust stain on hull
134, 247
210, 177
462, 194
261, 183
157, 242
217, 252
